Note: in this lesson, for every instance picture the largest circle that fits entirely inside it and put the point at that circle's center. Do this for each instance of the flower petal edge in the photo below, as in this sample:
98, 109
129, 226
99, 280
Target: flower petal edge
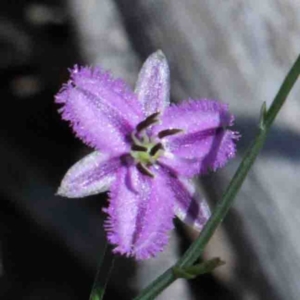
91, 175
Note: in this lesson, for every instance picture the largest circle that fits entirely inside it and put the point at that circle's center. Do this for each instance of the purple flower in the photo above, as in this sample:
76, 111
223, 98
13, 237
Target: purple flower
146, 152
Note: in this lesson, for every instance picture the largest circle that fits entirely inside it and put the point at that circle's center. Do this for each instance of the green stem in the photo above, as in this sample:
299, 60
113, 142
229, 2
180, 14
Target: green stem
197, 247
283, 92
102, 275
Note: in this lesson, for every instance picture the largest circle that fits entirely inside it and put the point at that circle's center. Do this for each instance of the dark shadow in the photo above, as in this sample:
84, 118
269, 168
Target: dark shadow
281, 141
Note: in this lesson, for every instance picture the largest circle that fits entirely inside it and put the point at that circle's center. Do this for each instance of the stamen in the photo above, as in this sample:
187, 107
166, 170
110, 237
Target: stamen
138, 148
135, 138
168, 132
156, 148
144, 170
147, 122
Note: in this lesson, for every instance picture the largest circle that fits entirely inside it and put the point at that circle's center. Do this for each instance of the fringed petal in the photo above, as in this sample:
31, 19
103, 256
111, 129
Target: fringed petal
196, 115
153, 85
140, 214
102, 111
205, 143
91, 175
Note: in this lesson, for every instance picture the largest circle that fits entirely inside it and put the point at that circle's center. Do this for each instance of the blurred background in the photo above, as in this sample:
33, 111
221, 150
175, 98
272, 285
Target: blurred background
235, 51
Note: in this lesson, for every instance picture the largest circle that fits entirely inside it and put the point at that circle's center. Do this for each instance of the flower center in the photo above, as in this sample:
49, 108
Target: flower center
146, 149
146, 152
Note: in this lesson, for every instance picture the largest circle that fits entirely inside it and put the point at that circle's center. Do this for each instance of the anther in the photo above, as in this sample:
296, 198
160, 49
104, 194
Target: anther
156, 148
138, 148
168, 132
152, 119
144, 170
